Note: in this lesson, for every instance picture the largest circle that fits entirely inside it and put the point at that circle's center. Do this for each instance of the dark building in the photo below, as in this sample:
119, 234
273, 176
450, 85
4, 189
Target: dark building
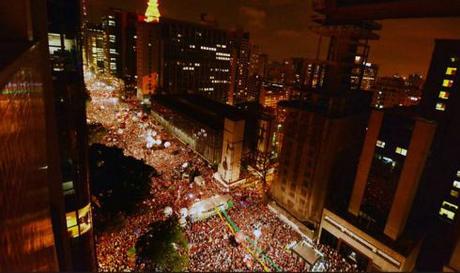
65, 45
381, 225
39, 221
441, 103
177, 57
29, 174
318, 136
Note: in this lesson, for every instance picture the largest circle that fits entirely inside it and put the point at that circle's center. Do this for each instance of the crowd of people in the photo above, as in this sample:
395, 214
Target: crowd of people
336, 262
212, 246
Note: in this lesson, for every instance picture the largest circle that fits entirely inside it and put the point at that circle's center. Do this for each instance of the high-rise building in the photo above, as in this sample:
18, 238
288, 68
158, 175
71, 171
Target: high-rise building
177, 57
381, 226
441, 103
37, 229
65, 45
95, 57
318, 136
241, 53
369, 76
121, 40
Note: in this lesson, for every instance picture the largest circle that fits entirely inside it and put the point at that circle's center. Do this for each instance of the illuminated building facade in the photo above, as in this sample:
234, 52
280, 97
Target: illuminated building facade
64, 29
112, 51
369, 76
95, 49
120, 29
241, 56
177, 57
272, 93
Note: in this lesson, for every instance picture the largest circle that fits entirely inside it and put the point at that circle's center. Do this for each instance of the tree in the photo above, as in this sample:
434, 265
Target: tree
118, 183
261, 163
163, 247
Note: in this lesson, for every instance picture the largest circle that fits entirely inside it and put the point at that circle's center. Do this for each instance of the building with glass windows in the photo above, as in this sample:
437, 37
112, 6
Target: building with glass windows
381, 225
65, 41
176, 57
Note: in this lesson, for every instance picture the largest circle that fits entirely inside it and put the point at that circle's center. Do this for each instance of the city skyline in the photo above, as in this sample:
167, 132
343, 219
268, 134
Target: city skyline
281, 28
159, 137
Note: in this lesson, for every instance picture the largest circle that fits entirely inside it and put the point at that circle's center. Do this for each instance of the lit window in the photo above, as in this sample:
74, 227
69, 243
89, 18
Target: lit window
74, 228
440, 106
458, 174
449, 206
444, 95
451, 71
447, 213
453, 59
454, 193
380, 144
447, 83
401, 151
111, 23
457, 185
68, 188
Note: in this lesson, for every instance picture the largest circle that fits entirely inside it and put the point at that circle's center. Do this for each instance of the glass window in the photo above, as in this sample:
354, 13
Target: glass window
453, 60
380, 144
447, 83
401, 151
76, 228
454, 193
440, 106
449, 206
457, 185
458, 174
451, 71
444, 95
447, 213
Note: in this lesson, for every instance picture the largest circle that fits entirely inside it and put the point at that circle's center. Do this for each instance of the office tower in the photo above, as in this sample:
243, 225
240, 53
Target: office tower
95, 57
109, 25
440, 103
318, 136
64, 37
120, 29
177, 57
381, 225
369, 76
326, 129
241, 54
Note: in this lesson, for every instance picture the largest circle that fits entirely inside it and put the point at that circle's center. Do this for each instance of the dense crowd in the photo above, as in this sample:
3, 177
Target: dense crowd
211, 244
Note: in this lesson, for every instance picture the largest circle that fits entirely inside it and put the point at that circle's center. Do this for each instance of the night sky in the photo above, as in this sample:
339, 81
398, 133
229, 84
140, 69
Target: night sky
280, 27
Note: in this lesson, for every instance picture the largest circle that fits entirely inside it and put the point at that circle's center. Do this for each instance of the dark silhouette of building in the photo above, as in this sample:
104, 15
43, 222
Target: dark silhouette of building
40, 213
65, 45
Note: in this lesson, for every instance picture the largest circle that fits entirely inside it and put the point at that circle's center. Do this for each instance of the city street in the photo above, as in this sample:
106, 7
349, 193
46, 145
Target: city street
210, 247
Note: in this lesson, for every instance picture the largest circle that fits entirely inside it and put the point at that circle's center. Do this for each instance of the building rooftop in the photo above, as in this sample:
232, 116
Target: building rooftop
201, 109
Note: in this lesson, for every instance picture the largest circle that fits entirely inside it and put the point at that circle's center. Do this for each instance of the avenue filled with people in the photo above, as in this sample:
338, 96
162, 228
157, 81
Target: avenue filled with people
212, 246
